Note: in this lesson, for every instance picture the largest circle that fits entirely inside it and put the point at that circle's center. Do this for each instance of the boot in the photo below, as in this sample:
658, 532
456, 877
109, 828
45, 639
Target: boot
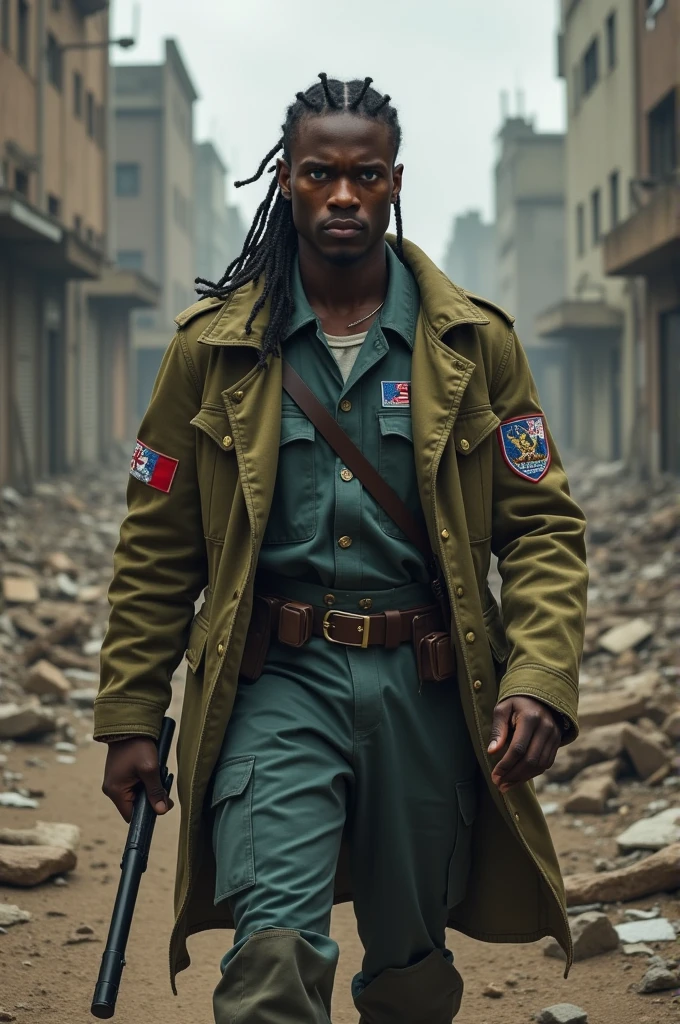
429, 992
276, 977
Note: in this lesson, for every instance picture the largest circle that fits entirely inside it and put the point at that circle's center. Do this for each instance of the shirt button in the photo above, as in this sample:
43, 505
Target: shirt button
346, 474
345, 405
445, 534
465, 445
238, 396
220, 649
345, 542
459, 591
228, 441
516, 817
477, 684
329, 599
470, 637
366, 603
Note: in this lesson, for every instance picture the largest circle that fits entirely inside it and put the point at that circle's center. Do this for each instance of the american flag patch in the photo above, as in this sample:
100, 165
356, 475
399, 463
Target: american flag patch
152, 468
396, 392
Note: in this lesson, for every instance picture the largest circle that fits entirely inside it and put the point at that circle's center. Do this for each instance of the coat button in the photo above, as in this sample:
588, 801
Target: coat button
516, 817
346, 474
345, 405
465, 445
220, 649
329, 599
477, 684
238, 396
470, 637
459, 591
445, 534
366, 602
227, 441
345, 542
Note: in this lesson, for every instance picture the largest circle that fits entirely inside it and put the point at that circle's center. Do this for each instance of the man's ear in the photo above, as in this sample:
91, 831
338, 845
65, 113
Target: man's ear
397, 179
283, 177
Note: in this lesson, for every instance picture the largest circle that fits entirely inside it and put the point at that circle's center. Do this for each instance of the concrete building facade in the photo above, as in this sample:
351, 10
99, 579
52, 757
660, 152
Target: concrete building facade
211, 228
646, 244
530, 228
153, 199
596, 317
470, 259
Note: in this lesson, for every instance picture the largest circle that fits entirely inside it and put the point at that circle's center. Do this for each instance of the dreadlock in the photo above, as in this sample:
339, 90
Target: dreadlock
271, 243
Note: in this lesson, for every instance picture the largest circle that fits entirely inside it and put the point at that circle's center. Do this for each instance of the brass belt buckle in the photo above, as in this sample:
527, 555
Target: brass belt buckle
364, 630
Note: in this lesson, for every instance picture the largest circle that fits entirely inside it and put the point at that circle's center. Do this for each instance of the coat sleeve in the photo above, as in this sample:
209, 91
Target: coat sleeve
160, 564
538, 536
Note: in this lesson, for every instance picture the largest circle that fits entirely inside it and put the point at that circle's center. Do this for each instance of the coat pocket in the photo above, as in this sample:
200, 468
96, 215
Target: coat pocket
292, 519
461, 858
495, 633
472, 438
232, 804
198, 637
217, 470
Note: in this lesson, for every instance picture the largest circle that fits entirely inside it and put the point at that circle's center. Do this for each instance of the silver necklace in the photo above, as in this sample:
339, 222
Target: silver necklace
354, 324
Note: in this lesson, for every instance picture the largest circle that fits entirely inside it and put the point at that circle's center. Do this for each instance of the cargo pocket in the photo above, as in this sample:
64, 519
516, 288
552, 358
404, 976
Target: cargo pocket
475, 468
292, 519
461, 858
397, 466
232, 805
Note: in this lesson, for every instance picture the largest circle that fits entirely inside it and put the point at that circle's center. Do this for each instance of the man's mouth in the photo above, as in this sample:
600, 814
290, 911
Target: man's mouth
340, 228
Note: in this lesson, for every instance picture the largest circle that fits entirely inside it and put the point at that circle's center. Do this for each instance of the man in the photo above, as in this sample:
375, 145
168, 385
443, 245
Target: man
319, 757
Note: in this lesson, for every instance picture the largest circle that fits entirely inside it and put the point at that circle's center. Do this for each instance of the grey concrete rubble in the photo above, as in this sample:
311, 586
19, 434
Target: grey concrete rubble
563, 1013
592, 934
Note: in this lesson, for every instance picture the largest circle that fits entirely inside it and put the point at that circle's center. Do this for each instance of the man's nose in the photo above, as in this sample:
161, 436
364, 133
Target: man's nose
343, 195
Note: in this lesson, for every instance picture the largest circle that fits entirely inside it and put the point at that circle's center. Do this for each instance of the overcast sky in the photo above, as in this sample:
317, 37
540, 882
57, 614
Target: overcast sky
444, 62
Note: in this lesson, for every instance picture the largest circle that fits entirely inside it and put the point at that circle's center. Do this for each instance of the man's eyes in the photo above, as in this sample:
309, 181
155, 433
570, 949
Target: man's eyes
319, 174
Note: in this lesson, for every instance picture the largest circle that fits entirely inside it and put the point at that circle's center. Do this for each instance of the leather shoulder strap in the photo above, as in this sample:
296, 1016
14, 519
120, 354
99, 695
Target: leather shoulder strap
355, 460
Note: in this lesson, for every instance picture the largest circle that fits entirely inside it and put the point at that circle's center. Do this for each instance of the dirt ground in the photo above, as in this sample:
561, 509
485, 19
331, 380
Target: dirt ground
43, 979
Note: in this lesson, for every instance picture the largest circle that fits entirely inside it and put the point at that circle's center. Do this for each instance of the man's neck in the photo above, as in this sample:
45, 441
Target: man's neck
340, 293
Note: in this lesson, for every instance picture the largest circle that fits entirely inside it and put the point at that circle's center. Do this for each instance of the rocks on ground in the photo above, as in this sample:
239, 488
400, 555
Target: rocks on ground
563, 1013
592, 934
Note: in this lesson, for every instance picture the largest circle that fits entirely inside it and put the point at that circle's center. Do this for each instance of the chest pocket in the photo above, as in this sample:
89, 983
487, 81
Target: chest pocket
397, 466
292, 519
217, 469
474, 440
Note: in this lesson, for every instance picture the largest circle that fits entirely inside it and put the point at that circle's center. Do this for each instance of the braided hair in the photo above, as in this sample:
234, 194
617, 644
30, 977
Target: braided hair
271, 243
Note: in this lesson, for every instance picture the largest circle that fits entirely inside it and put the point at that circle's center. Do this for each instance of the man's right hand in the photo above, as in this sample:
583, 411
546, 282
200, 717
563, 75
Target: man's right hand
129, 763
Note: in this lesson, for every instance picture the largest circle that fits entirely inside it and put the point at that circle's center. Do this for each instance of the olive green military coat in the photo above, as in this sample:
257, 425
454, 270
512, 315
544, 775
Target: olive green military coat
219, 415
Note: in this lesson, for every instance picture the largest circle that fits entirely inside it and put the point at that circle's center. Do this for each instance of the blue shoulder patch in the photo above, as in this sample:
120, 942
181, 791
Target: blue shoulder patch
525, 447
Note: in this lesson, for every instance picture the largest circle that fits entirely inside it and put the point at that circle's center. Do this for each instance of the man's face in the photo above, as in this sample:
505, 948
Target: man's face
341, 182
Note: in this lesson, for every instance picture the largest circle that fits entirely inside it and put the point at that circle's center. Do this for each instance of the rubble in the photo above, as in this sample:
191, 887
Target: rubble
43, 833
10, 915
592, 933
563, 1013
46, 680
659, 872
626, 636
25, 721
659, 929
652, 833
659, 979
27, 866
20, 590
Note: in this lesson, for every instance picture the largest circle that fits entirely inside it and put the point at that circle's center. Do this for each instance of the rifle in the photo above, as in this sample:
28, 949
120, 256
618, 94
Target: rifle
133, 866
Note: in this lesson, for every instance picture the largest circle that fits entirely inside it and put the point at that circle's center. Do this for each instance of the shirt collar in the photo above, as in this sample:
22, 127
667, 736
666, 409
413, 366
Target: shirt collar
399, 313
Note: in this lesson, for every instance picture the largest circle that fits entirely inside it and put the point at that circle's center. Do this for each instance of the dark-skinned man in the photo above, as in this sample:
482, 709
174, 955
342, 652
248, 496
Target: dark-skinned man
358, 722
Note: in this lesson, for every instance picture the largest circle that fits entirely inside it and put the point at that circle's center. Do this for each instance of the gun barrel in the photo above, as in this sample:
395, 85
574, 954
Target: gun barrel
133, 866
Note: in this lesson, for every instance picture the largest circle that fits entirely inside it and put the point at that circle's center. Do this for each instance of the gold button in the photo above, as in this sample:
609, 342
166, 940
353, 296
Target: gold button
346, 474
329, 599
345, 405
470, 637
477, 684
227, 441
459, 591
238, 396
465, 445
516, 817
445, 534
220, 649
345, 542
366, 602
458, 365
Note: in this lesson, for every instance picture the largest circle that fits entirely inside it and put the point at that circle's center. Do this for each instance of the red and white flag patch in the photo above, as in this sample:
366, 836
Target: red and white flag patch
153, 468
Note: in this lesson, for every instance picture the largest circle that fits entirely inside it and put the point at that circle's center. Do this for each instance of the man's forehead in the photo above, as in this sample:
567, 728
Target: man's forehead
342, 134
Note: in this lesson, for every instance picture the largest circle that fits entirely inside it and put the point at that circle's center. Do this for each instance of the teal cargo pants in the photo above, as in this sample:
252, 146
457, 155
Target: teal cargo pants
333, 736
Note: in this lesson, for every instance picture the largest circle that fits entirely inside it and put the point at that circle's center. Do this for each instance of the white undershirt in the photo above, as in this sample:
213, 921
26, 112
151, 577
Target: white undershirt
346, 351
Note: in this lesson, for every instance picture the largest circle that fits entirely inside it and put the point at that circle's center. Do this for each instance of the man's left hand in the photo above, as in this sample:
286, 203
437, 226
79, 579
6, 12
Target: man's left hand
533, 735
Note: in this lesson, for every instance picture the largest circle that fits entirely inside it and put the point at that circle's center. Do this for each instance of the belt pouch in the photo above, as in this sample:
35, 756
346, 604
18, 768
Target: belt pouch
295, 623
257, 640
434, 654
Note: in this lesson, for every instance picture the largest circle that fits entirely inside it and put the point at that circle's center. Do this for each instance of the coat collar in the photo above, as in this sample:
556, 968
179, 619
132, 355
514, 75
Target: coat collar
442, 303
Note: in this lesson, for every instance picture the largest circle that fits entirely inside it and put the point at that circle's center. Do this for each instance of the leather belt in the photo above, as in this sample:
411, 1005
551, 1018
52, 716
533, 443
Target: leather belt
293, 623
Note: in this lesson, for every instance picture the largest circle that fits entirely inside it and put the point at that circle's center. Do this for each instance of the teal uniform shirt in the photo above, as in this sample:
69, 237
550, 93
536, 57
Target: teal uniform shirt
324, 528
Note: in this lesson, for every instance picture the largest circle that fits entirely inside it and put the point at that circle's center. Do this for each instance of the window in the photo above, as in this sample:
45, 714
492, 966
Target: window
100, 121
89, 114
53, 206
127, 179
4, 24
580, 229
610, 28
663, 150
653, 7
130, 259
54, 62
4, 174
23, 32
21, 182
614, 207
595, 213
591, 67
78, 225
77, 94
